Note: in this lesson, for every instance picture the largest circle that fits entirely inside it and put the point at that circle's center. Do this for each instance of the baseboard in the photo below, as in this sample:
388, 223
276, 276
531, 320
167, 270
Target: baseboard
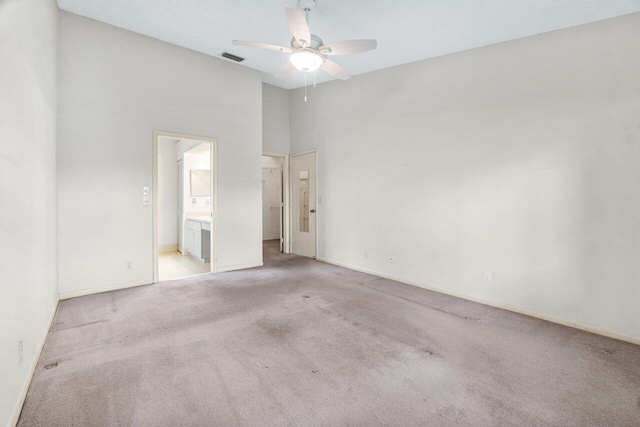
32, 369
239, 267
542, 316
168, 248
99, 290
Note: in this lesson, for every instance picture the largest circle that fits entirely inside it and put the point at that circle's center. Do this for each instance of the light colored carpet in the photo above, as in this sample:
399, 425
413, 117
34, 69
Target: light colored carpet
299, 342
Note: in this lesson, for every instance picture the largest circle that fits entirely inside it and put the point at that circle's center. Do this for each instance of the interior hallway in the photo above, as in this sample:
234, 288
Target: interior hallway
300, 342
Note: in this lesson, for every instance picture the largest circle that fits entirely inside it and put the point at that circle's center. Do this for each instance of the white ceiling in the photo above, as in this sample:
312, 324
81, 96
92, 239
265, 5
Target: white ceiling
406, 30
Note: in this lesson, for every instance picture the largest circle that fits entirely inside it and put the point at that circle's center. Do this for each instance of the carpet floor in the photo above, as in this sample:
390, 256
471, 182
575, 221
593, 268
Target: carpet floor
300, 342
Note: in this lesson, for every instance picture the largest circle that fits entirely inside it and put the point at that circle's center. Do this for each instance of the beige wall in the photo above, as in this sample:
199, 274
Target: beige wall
275, 120
115, 88
520, 159
28, 244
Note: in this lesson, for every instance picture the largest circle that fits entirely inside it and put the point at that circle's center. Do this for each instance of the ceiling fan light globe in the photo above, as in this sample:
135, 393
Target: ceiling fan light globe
305, 61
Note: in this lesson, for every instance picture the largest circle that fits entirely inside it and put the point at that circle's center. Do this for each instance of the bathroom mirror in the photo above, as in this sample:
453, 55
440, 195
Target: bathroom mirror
200, 182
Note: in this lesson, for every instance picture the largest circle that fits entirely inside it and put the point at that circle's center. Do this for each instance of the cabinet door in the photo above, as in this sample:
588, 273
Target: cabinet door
189, 240
197, 244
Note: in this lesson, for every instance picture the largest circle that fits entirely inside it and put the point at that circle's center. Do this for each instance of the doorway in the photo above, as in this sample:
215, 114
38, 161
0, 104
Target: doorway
303, 204
273, 200
184, 206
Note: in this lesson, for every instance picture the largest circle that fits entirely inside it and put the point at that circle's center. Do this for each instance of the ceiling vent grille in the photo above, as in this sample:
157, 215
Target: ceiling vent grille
232, 57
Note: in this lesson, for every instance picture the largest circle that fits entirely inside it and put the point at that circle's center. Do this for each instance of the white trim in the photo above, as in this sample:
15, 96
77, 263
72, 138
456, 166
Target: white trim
168, 248
547, 317
302, 153
214, 198
91, 291
17, 409
239, 267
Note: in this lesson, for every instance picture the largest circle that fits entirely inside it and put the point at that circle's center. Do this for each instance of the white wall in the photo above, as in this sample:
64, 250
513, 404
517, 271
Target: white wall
115, 88
28, 263
275, 119
520, 159
167, 194
271, 197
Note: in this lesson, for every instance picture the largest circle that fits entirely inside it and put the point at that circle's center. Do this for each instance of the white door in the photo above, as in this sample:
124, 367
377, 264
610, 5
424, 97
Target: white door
303, 204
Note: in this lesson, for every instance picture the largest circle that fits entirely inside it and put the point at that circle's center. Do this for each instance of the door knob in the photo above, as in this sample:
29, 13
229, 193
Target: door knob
312, 211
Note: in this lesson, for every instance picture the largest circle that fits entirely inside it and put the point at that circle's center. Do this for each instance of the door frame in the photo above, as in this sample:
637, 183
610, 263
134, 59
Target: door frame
291, 156
214, 197
286, 247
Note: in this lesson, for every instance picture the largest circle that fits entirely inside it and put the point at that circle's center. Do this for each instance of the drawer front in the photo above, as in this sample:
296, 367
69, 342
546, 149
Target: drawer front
194, 225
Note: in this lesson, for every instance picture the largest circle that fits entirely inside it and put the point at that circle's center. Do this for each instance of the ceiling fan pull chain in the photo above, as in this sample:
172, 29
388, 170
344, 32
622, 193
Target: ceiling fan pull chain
314, 79
305, 87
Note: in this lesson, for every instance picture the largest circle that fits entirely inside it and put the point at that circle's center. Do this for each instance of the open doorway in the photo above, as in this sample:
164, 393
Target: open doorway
273, 215
184, 206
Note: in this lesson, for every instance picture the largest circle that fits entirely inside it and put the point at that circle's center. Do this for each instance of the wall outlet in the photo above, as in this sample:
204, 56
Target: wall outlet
194, 201
319, 200
128, 265
366, 255
392, 259
20, 352
486, 277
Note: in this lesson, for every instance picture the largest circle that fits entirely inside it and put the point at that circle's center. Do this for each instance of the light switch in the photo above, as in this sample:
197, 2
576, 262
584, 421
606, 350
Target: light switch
145, 200
145, 191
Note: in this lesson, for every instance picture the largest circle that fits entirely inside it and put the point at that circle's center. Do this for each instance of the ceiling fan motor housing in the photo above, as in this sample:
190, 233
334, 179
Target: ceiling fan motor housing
316, 42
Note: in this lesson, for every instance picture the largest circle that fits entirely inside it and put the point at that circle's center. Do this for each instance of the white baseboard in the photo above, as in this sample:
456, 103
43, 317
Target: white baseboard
82, 292
168, 248
32, 369
239, 267
547, 317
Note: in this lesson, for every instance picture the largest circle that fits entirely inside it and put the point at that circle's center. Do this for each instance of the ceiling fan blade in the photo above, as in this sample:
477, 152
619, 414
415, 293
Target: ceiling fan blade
348, 47
299, 26
262, 46
335, 70
286, 69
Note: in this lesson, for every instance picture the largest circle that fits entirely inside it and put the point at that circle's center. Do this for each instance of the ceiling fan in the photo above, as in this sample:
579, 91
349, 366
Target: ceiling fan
308, 51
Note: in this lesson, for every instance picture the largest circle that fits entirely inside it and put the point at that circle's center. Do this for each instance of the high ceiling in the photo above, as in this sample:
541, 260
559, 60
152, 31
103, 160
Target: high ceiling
406, 30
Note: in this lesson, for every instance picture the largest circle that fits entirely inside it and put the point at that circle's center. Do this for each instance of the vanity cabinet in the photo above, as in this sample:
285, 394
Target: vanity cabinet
198, 239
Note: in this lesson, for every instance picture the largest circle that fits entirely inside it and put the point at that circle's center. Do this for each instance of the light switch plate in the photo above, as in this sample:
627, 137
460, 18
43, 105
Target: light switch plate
145, 191
145, 200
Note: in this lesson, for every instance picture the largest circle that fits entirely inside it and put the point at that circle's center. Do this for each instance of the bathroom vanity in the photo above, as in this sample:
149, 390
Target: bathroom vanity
198, 238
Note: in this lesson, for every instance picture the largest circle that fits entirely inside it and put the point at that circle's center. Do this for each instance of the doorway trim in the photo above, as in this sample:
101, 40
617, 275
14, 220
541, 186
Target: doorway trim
214, 197
285, 202
291, 156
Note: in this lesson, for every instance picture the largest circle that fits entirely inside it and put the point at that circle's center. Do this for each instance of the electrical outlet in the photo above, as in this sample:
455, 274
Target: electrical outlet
319, 200
366, 255
194, 201
486, 277
128, 265
20, 352
392, 259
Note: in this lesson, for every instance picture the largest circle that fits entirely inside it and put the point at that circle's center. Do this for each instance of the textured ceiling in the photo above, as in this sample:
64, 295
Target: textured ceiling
406, 30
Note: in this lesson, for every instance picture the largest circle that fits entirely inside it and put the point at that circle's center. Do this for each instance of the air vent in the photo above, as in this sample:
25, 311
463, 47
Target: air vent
232, 57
